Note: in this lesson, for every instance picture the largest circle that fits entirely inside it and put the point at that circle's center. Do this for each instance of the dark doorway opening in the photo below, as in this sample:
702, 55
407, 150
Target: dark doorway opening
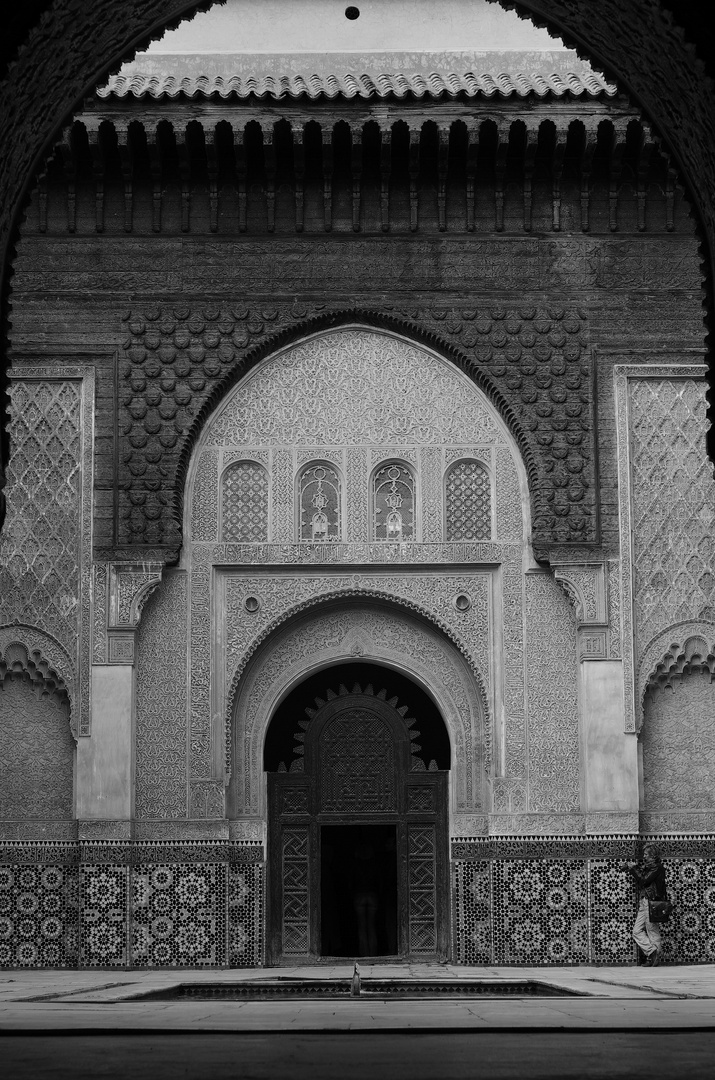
358, 890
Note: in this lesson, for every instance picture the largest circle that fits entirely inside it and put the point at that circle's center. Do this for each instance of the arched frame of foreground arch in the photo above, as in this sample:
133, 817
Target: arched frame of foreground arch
639, 43
359, 629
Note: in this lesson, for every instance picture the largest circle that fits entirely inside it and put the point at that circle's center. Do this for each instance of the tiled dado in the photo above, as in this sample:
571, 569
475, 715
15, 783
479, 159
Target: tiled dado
557, 901
115, 904
516, 900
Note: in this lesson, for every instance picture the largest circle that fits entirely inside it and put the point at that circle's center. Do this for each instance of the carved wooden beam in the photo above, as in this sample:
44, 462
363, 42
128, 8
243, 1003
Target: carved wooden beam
645, 154
299, 174
531, 143
155, 170
239, 155
557, 167
385, 171
69, 168
126, 159
671, 178
472, 155
356, 172
502, 151
442, 173
585, 166
327, 146
269, 165
618, 146
414, 170
212, 170
96, 151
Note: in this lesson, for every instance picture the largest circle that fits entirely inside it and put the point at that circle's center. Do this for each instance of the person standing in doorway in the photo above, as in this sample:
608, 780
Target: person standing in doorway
649, 876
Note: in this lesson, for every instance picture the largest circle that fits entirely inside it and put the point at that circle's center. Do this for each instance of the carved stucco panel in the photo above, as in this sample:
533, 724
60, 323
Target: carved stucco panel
355, 387
45, 546
373, 634
36, 752
666, 510
161, 714
552, 682
204, 505
679, 745
434, 594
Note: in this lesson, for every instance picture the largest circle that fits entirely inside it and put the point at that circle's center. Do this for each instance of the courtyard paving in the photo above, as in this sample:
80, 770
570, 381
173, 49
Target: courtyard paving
609, 999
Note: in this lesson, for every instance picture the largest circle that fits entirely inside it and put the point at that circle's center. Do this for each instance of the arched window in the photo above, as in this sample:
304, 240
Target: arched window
244, 503
393, 502
468, 502
319, 491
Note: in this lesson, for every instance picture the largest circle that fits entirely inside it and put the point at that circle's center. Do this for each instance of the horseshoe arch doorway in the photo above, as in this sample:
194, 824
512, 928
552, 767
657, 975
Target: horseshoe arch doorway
357, 760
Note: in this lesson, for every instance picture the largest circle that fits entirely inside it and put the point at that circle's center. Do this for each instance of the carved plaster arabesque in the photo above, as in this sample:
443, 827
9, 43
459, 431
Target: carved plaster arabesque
674, 652
624, 375
325, 637
78, 640
30, 652
586, 587
249, 406
128, 587
407, 592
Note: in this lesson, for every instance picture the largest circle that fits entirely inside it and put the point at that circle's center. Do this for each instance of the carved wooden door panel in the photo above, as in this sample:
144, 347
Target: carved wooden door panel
357, 773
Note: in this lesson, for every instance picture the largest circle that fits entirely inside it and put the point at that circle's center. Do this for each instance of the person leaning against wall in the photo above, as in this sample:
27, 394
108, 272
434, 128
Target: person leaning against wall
649, 876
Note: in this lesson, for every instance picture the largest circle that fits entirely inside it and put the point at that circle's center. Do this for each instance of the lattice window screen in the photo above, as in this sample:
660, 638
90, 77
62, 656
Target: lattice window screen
319, 490
468, 512
393, 501
244, 503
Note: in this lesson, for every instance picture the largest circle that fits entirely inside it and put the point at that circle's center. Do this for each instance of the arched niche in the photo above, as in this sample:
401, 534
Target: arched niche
37, 749
354, 397
349, 632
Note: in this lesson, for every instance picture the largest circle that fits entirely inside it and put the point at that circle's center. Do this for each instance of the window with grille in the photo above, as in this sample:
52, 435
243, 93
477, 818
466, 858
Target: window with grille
468, 502
393, 503
244, 503
319, 491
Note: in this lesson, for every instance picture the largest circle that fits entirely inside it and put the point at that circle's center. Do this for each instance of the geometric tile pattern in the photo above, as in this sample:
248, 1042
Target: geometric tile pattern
511, 911
245, 915
540, 912
569, 911
472, 898
689, 936
179, 915
104, 916
613, 909
38, 916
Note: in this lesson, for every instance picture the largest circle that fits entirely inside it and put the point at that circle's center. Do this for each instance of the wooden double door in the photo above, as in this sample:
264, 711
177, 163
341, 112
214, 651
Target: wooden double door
357, 841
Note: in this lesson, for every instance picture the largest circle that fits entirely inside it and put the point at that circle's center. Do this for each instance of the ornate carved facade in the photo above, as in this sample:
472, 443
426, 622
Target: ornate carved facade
295, 395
